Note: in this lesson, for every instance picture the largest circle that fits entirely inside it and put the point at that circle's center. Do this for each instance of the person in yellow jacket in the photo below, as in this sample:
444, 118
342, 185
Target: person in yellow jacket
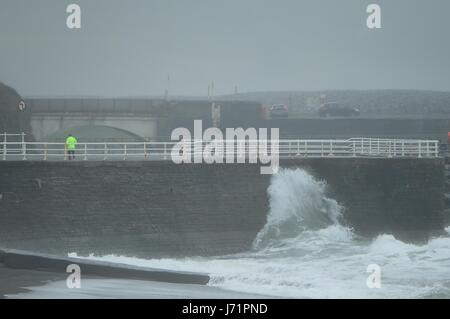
71, 145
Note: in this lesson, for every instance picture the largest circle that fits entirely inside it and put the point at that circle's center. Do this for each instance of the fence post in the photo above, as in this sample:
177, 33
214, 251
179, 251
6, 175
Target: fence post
125, 151
165, 150
290, 152
354, 149
403, 148
24, 147
145, 150
4, 146
45, 151
420, 149
85, 151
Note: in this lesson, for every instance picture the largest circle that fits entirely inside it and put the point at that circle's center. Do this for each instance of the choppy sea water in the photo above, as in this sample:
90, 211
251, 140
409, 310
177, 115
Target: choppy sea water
304, 252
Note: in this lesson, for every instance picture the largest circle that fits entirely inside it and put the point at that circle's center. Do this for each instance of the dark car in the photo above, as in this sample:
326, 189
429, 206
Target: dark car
336, 109
279, 110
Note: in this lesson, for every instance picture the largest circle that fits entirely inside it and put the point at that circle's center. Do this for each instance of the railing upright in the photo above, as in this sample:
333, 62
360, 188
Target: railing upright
85, 151
403, 148
24, 147
145, 150
105, 152
290, 152
4, 146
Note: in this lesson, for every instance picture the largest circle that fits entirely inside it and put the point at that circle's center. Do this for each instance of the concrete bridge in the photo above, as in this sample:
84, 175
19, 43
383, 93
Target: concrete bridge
153, 119
53, 118
132, 118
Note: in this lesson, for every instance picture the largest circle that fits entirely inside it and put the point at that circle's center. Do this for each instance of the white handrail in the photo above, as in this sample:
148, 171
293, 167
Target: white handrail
287, 148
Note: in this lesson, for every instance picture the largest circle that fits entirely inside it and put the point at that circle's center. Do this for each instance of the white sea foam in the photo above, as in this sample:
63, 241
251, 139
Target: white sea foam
303, 251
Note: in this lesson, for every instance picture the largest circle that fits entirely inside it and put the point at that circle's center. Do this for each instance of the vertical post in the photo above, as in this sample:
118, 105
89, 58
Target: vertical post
306, 148
145, 150
420, 149
298, 147
4, 146
390, 148
24, 147
403, 148
428, 149
354, 149
105, 152
45, 151
125, 151
395, 148
165, 150
85, 151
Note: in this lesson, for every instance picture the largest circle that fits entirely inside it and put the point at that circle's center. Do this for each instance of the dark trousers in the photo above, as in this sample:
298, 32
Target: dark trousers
71, 154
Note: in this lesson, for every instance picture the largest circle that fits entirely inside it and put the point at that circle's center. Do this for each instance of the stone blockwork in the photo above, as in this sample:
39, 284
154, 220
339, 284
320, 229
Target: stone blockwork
137, 208
404, 197
154, 209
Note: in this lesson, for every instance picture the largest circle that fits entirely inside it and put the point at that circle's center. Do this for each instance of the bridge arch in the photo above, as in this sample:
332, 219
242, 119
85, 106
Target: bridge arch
45, 124
94, 133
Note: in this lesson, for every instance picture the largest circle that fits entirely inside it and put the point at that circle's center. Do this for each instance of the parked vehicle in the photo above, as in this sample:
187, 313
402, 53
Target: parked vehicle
336, 109
279, 110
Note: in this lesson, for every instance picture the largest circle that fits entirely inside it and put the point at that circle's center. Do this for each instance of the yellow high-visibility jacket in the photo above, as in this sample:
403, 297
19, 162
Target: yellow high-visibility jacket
71, 143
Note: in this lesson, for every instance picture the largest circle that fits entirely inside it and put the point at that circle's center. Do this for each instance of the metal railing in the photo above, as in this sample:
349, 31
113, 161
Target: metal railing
19, 149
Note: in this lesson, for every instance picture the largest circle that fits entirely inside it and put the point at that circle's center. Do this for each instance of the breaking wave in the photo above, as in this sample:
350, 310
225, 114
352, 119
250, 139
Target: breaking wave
304, 252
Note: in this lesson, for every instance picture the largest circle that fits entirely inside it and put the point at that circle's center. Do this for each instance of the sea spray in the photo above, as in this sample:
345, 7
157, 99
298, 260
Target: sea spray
298, 202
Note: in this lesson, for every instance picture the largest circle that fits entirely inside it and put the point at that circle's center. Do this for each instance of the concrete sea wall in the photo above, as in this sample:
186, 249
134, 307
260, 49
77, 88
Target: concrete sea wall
153, 209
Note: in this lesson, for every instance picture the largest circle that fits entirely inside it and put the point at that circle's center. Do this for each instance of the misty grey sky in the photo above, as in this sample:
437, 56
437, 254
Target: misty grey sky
128, 48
